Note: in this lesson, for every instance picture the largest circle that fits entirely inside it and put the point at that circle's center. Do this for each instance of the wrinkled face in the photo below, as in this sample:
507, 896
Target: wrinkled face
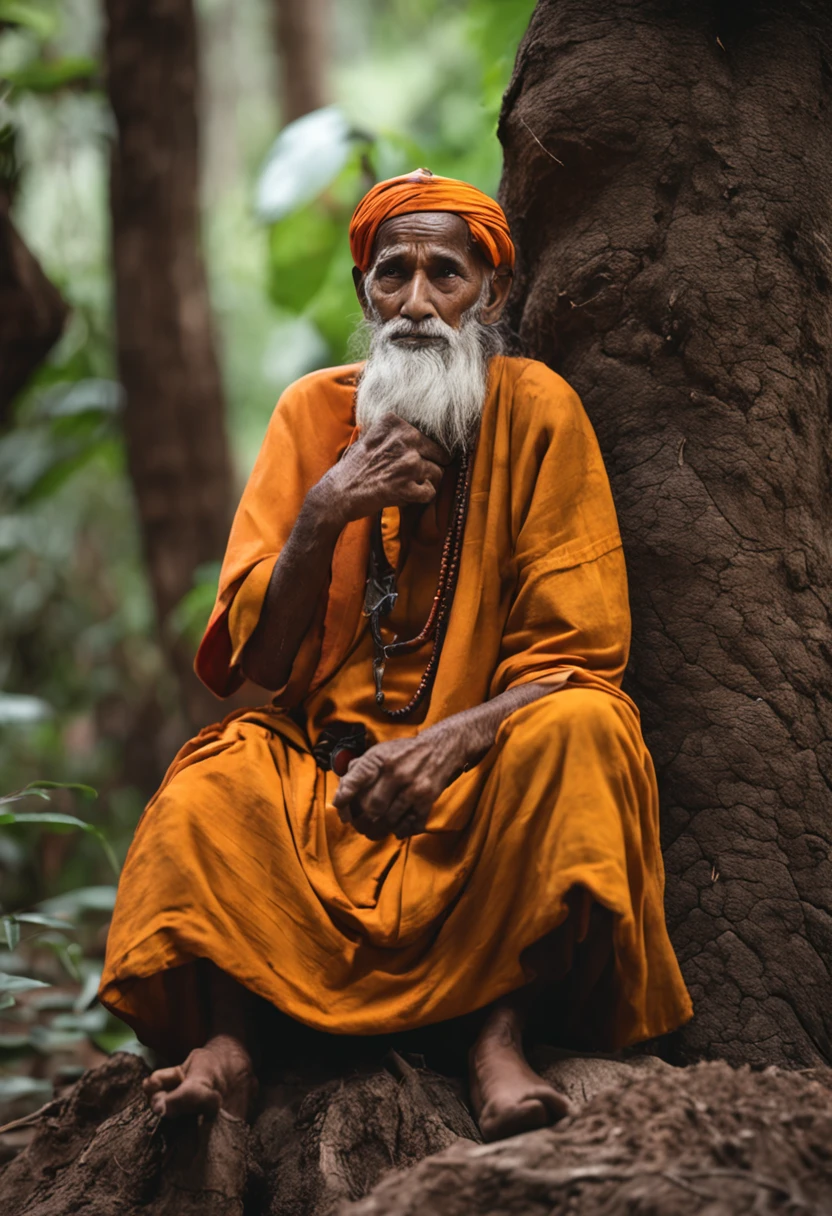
426, 266
430, 304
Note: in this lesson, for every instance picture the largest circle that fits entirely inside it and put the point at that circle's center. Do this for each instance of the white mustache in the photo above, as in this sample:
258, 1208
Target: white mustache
403, 327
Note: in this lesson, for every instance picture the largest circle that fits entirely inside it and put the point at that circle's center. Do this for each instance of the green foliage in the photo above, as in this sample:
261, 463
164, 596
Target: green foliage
49, 75
39, 18
446, 95
191, 614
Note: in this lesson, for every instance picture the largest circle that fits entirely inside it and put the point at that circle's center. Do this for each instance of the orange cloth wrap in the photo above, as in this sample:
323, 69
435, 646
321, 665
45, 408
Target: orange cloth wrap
423, 191
241, 858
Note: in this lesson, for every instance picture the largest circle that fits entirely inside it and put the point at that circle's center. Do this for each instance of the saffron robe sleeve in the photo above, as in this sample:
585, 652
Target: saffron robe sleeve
311, 426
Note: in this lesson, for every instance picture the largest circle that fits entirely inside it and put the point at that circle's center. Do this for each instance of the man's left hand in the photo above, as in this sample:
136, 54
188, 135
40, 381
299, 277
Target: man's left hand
392, 787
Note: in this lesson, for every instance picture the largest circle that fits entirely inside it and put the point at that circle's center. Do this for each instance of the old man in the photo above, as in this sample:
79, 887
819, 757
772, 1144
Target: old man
447, 806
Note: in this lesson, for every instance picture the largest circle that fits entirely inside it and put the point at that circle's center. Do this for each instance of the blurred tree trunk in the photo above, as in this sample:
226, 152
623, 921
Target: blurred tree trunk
174, 418
668, 177
302, 39
32, 312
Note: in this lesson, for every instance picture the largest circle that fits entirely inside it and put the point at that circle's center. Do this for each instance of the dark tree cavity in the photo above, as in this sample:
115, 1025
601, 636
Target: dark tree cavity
32, 312
668, 178
174, 416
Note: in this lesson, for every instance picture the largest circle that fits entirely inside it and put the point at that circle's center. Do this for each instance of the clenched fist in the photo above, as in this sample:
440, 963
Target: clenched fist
392, 787
392, 465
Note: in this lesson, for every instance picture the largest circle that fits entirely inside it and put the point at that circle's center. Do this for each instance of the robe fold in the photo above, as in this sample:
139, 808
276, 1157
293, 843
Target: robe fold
241, 858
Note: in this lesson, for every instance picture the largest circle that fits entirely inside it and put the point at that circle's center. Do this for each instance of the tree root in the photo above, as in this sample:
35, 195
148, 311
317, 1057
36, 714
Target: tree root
397, 1140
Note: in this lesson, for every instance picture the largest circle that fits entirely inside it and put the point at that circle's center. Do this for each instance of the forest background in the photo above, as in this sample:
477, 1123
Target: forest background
88, 691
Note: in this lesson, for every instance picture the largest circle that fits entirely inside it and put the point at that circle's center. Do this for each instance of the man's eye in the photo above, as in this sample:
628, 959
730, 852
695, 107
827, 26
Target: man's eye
391, 271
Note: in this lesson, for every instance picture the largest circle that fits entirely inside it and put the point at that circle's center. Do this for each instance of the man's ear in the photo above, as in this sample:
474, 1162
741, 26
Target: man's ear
360, 290
501, 281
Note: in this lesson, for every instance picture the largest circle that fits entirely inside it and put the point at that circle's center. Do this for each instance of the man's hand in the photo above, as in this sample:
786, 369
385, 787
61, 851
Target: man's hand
392, 465
392, 787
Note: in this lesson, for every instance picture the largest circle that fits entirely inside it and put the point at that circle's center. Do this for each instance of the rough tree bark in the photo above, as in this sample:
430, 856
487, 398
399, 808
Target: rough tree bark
174, 417
32, 312
302, 42
668, 178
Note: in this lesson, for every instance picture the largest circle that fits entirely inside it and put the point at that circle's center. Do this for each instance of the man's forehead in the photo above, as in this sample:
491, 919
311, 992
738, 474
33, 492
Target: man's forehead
440, 228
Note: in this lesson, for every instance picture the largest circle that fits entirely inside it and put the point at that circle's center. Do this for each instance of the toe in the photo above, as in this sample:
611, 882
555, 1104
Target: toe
527, 1116
557, 1104
163, 1079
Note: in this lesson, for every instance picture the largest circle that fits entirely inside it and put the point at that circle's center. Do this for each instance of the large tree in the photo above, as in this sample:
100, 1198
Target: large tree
668, 177
174, 416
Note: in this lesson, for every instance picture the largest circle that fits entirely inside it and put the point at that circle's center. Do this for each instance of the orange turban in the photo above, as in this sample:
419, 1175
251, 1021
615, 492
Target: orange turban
422, 191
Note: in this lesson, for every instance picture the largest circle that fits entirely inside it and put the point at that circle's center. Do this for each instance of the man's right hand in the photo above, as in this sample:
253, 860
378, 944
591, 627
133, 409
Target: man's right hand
392, 465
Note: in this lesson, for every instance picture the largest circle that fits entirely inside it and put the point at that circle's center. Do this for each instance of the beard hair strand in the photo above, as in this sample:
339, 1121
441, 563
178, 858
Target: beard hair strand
440, 389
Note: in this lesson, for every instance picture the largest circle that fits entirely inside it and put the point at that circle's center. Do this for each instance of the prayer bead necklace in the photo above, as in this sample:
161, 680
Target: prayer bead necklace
381, 596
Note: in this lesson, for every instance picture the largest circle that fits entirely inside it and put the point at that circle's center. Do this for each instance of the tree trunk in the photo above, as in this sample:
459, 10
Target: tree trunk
32, 313
174, 418
668, 178
302, 41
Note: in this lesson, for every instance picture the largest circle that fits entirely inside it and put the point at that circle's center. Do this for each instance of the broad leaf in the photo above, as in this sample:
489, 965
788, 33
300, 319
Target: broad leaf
19, 983
35, 918
21, 710
11, 931
305, 158
50, 75
57, 820
301, 248
86, 791
29, 14
88, 993
83, 899
23, 1087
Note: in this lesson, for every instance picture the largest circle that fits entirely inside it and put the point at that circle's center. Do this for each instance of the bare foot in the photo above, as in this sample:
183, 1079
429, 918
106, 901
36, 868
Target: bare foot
218, 1075
507, 1095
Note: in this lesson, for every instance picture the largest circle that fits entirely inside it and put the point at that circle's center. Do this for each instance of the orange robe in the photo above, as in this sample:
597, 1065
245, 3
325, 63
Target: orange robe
241, 858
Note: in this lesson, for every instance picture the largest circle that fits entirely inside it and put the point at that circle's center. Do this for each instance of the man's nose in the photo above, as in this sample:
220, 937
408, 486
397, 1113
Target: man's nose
417, 305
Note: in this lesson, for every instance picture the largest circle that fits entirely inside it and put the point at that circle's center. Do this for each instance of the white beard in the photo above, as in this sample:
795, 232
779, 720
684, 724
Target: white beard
438, 388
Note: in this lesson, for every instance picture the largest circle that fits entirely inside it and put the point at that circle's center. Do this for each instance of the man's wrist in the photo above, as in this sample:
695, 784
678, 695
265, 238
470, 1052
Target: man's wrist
324, 510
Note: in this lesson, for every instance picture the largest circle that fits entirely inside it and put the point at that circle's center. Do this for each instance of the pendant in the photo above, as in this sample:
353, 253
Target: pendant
378, 676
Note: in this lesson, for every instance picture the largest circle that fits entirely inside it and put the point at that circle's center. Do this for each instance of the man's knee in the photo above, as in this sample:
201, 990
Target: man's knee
587, 712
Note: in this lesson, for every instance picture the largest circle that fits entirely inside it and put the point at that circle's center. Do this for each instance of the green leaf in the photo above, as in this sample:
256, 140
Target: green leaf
23, 1087
11, 929
20, 710
89, 992
46, 1040
190, 616
55, 819
120, 1038
305, 158
6, 1001
86, 791
93, 1021
82, 899
301, 248
35, 918
13, 1042
33, 16
19, 983
50, 75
